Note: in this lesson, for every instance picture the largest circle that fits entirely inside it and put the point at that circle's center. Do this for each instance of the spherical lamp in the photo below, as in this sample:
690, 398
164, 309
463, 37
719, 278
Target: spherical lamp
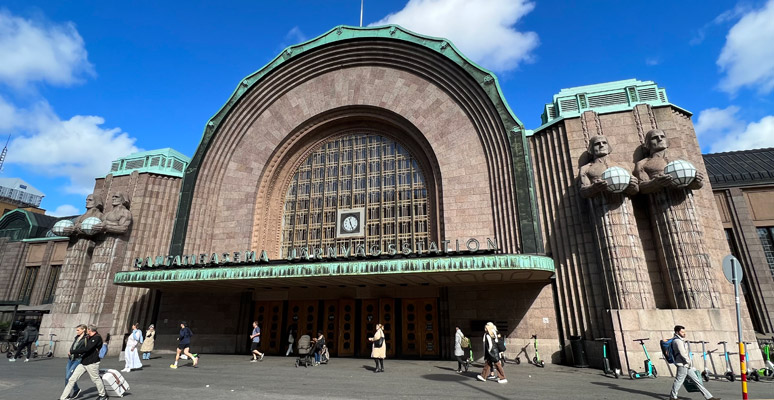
617, 179
87, 226
681, 171
60, 227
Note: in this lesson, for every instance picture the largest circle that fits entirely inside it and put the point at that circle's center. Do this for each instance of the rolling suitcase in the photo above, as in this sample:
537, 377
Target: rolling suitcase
115, 384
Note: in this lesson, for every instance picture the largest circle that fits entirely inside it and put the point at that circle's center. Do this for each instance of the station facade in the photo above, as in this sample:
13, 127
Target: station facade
373, 175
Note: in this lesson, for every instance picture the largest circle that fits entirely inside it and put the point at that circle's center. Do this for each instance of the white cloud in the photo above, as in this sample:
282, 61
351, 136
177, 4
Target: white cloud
726, 16
295, 35
748, 55
651, 61
79, 148
38, 51
482, 29
726, 132
65, 210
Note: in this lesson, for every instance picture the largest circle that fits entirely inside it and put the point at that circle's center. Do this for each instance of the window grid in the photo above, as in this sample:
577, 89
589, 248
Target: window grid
53, 278
364, 170
28, 282
766, 235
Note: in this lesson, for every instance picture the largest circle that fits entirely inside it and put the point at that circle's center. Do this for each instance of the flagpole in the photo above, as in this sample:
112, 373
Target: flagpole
361, 13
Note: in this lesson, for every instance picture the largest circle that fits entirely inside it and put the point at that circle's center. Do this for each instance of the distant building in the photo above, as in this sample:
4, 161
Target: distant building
17, 191
743, 184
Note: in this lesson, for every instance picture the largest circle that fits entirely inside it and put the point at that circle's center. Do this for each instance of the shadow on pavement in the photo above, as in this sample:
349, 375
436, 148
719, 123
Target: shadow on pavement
635, 391
463, 380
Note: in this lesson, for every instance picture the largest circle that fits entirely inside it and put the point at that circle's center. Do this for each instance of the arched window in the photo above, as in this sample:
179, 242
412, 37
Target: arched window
367, 172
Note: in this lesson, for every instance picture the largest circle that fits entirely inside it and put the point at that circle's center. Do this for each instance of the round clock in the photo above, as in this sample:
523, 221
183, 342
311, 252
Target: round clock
350, 224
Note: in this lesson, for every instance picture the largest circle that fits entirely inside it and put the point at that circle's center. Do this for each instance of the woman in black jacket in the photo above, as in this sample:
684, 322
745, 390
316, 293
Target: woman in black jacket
492, 354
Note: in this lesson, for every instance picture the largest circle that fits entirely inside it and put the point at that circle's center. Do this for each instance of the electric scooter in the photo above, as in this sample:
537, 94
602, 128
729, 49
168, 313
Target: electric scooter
727, 359
752, 374
705, 374
606, 360
536, 361
650, 369
768, 369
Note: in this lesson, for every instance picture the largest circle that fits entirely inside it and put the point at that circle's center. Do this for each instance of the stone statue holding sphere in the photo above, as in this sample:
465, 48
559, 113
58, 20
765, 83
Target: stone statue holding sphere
607, 187
677, 228
119, 218
83, 225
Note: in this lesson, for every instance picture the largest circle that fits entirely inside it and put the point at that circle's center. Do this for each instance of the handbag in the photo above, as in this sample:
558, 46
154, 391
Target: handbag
379, 343
501, 345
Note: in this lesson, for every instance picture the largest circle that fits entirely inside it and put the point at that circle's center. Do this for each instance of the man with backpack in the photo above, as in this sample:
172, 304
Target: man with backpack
677, 353
461, 345
29, 336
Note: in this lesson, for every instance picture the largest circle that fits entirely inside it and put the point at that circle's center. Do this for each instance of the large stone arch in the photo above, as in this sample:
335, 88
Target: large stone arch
452, 105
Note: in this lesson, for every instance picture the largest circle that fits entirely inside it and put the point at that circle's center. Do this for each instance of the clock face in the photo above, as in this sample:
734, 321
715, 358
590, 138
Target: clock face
350, 224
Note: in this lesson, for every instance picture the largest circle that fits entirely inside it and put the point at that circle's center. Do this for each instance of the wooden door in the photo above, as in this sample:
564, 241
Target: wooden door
420, 327
410, 335
330, 328
428, 315
268, 314
387, 318
303, 314
369, 317
346, 339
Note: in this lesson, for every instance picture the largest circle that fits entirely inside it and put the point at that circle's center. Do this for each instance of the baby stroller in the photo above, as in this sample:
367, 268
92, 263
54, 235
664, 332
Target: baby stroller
305, 351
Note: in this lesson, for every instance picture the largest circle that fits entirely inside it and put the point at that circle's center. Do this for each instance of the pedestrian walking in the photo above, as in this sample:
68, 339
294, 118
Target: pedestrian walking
103, 351
149, 342
291, 340
460, 344
184, 346
255, 337
131, 355
89, 364
492, 349
378, 348
684, 365
73, 360
29, 336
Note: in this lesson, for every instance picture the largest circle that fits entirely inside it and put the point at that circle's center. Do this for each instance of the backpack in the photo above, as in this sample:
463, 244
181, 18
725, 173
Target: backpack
667, 350
465, 343
501, 345
31, 335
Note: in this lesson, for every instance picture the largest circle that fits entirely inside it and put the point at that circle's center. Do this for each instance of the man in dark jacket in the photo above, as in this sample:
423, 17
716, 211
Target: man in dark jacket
89, 364
29, 336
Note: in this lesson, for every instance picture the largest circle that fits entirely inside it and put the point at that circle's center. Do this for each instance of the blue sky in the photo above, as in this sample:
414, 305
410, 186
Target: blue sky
86, 82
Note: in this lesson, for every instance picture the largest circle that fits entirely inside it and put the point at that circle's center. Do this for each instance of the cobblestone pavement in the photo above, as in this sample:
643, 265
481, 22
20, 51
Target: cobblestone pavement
234, 377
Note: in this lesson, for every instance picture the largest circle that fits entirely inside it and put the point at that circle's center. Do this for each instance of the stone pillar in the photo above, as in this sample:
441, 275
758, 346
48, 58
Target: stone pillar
680, 245
621, 253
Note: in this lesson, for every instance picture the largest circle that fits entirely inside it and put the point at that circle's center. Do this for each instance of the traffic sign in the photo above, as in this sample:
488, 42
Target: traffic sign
732, 268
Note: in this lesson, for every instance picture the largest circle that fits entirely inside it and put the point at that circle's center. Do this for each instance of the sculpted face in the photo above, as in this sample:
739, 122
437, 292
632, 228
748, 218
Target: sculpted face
117, 199
89, 202
657, 140
599, 147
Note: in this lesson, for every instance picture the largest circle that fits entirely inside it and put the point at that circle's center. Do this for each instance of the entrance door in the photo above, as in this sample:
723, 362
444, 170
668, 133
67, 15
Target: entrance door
268, 314
303, 314
346, 340
331, 325
420, 327
369, 317
387, 318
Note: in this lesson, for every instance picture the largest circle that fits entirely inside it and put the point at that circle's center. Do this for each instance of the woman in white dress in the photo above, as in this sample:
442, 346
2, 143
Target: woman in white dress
131, 355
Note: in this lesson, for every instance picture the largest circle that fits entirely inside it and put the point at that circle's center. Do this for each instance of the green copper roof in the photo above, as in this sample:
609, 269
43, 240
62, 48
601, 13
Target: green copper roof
603, 98
165, 161
484, 77
377, 267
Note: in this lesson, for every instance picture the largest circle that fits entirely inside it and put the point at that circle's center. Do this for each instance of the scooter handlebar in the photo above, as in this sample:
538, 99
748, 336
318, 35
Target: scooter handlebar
603, 338
640, 340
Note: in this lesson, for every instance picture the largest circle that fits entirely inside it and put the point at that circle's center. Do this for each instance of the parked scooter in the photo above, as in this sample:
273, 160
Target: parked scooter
705, 373
650, 369
727, 359
536, 361
768, 369
616, 372
752, 373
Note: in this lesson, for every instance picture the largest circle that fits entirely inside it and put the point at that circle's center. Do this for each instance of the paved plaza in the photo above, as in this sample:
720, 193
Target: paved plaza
234, 377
